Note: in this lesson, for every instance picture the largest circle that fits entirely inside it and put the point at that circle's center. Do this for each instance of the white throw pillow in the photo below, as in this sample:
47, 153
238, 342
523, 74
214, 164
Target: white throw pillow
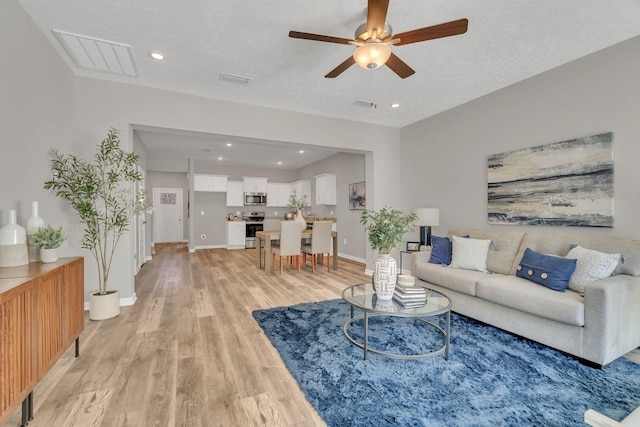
591, 266
469, 254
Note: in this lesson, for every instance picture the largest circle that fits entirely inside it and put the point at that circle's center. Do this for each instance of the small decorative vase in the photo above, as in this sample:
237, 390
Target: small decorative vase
13, 243
384, 276
34, 223
299, 218
48, 255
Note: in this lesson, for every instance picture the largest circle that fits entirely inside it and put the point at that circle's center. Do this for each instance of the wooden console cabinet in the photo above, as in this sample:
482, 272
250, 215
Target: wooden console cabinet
41, 315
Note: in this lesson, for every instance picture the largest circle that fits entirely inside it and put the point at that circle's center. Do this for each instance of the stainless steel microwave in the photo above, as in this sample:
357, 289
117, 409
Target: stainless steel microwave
255, 199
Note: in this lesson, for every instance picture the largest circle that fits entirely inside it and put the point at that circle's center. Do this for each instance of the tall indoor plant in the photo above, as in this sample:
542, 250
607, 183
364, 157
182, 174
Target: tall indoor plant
385, 230
101, 193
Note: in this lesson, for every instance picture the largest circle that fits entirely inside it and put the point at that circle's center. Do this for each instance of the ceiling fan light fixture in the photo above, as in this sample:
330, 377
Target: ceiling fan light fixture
372, 55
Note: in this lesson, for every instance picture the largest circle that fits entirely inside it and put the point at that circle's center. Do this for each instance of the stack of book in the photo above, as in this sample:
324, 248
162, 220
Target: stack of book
407, 295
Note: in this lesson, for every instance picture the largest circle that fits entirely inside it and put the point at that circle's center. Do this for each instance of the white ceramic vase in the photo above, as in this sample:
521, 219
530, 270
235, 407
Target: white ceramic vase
384, 276
34, 223
48, 255
13, 243
102, 307
299, 218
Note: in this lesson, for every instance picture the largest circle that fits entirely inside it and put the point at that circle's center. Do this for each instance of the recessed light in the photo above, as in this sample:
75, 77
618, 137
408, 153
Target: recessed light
279, 163
219, 158
396, 105
301, 151
229, 144
157, 55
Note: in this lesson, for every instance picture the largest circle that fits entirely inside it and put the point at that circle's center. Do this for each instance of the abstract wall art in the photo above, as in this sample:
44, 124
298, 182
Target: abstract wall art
357, 196
568, 183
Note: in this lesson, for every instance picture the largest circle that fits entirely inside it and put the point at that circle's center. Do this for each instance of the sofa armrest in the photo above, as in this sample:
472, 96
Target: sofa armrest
419, 257
612, 318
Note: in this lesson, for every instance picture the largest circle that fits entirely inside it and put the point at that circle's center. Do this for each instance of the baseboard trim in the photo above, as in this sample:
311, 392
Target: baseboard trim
195, 248
352, 258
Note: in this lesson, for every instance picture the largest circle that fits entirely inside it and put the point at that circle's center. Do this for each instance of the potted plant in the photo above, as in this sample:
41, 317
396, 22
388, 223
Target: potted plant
385, 231
297, 205
101, 194
47, 239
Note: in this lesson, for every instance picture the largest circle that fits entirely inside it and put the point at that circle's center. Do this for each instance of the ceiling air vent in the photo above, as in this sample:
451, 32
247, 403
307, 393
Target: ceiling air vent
234, 78
98, 55
365, 104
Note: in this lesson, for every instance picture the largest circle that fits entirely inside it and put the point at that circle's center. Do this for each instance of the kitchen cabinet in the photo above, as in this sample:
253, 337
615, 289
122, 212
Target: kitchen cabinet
278, 194
236, 234
235, 195
254, 184
326, 189
302, 188
203, 182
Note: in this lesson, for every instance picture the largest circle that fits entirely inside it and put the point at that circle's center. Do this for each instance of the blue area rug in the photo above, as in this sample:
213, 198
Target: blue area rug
491, 379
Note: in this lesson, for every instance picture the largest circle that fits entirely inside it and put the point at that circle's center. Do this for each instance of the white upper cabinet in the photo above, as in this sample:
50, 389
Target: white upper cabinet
302, 188
202, 182
235, 196
326, 185
254, 184
278, 194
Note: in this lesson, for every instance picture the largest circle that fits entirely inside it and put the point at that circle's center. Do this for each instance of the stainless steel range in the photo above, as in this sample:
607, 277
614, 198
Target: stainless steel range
253, 221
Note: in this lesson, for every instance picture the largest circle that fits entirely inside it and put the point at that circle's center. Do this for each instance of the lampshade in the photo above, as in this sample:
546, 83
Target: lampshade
372, 55
427, 216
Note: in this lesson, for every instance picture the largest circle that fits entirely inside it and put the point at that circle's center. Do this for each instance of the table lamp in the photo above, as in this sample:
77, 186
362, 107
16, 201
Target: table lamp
427, 217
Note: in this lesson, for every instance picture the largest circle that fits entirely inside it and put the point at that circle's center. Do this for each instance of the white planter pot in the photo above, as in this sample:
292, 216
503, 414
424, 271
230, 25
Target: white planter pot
48, 255
102, 307
385, 275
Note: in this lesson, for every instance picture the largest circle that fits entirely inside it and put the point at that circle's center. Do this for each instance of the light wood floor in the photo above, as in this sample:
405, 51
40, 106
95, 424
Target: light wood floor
188, 353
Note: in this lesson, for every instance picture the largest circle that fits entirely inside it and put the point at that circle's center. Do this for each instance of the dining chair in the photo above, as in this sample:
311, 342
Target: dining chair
320, 244
270, 225
290, 243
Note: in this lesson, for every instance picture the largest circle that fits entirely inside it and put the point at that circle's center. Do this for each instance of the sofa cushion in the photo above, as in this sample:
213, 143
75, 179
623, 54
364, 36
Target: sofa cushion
546, 270
503, 250
463, 281
521, 294
560, 243
469, 254
440, 250
591, 266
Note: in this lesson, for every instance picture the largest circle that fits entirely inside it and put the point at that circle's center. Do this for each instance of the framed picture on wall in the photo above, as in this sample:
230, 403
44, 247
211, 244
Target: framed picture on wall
357, 196
413, 246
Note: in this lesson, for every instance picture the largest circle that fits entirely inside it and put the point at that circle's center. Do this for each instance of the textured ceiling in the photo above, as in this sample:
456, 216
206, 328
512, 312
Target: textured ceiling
507, 42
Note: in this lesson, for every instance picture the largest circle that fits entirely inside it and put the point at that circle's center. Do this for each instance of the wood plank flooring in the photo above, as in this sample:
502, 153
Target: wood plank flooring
189, 353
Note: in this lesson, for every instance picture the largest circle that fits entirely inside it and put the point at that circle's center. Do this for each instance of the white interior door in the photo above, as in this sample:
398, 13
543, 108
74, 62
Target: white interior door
167, 215
141, 222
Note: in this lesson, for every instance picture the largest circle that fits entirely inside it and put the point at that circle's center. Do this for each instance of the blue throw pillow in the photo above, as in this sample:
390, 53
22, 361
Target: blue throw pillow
440, 250
550, 271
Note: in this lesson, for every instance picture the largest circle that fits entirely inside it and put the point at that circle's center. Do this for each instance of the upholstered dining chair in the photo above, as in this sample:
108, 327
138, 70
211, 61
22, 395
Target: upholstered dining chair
290, 243
320, 244
270, 225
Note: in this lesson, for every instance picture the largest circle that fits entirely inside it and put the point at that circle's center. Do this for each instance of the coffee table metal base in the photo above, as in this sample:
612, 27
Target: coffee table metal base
364, 345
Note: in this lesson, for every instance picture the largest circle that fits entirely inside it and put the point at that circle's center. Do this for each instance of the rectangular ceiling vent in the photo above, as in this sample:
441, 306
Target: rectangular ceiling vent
234, 78
365, 104
98, 55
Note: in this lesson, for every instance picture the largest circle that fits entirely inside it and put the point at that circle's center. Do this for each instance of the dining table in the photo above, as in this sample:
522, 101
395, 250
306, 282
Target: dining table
268, 236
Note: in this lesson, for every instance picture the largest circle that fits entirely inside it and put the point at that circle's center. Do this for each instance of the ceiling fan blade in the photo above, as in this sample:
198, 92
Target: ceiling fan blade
447, 29
399, 67
318, 37
341, 68
377, 16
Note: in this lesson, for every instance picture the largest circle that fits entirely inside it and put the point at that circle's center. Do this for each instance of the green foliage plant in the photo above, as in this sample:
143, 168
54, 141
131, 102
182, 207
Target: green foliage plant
386, 227
47, 238
101, 193
295, 203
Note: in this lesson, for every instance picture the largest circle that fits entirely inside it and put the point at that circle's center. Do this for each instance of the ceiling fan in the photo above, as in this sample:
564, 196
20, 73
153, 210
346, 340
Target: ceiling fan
374, 37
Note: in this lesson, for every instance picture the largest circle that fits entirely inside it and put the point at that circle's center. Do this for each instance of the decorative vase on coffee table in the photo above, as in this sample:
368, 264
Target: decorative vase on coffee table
384, 276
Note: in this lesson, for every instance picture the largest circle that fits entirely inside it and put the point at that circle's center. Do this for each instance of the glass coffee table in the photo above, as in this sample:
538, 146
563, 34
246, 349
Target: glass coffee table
362, 296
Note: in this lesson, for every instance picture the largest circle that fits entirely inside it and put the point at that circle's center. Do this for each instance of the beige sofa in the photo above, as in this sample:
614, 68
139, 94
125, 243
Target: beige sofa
598, 327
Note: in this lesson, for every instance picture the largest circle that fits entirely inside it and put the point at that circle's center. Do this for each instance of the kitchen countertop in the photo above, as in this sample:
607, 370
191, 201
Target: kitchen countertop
306, 218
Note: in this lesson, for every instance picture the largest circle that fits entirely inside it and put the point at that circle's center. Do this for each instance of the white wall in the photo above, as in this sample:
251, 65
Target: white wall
444, 158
